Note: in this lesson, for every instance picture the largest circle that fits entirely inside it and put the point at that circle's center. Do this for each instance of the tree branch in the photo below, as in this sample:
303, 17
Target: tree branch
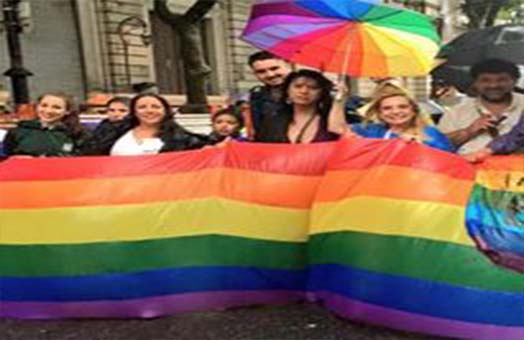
494, 10
164, 13
198, 10
482, 13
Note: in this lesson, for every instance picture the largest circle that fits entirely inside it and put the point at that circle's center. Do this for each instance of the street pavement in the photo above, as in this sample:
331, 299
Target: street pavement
300, 321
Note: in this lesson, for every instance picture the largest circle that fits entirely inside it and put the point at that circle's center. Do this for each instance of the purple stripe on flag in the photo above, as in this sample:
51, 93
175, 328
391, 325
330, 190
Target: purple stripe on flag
357, 310
147, 307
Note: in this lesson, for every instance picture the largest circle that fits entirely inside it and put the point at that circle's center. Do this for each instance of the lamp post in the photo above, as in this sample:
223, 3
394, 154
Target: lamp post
16, 72
126, 29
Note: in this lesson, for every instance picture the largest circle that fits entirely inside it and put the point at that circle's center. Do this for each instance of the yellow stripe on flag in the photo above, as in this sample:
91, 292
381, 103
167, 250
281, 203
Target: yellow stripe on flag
152, 221
376, 215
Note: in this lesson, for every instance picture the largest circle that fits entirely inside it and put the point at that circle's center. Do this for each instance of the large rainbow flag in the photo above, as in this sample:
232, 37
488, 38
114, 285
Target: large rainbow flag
375, 230
156, 235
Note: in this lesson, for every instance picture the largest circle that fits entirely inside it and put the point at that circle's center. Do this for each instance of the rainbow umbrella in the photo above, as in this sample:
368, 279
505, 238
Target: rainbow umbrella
353, 37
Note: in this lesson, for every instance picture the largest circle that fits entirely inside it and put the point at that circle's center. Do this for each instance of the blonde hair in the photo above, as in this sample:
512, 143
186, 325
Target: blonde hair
417, 125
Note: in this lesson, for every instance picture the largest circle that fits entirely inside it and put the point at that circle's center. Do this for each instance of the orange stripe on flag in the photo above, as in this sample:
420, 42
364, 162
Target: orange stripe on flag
395, 182
221, 182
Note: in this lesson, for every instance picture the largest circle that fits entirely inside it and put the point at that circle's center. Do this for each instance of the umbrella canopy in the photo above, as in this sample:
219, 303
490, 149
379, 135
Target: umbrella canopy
353, 37
455, 75
504, 42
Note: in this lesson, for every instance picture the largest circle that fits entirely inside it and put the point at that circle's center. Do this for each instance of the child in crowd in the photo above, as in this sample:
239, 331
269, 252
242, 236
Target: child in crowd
117, 108
227, 123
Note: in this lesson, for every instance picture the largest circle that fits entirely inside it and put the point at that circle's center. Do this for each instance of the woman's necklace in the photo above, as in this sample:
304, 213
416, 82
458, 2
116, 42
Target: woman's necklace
303, 129
140, 135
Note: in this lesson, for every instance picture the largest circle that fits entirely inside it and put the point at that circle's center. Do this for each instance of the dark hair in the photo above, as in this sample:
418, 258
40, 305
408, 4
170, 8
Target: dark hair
119, 99
495, 66
233, 111
167, 125
326, 86
71, 120
275, 127
262, 55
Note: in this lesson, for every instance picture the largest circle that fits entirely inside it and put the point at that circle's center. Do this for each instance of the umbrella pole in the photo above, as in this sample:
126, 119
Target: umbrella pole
342, 77
345, 66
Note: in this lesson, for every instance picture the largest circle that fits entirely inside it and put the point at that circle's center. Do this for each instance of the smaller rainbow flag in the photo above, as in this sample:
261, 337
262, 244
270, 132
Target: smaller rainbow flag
495, 214
388, 245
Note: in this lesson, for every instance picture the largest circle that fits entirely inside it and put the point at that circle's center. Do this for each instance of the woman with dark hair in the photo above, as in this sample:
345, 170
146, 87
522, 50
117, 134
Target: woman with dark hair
303, 111
148, 129
55, 133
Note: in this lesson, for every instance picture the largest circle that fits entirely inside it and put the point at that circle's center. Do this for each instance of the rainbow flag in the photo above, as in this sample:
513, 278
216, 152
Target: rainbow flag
388, 245
156, 235
373, 229
495, 214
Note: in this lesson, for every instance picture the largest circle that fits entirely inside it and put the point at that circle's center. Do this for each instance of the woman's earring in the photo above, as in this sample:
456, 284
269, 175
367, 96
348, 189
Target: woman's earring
289, 101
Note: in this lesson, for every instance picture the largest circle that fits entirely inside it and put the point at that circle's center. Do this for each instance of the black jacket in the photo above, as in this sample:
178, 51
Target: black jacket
32, 139
176, 138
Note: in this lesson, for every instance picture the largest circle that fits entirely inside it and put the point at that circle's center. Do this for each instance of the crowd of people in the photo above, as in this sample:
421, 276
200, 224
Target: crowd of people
489, 121
288, 107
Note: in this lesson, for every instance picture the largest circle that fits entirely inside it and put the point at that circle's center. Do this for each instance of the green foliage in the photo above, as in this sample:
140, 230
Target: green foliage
483, 13
513, 12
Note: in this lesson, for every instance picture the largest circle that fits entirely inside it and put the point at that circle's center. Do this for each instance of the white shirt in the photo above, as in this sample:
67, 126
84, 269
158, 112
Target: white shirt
462, 115
129, 145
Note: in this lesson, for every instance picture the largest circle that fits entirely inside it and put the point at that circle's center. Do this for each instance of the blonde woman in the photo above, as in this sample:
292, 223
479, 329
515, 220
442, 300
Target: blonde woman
391, 114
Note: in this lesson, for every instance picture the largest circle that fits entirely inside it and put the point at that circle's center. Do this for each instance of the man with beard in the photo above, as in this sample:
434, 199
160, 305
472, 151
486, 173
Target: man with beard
271, 71
473, 124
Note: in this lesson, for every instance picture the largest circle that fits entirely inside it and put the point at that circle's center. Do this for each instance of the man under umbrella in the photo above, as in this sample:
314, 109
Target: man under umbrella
494, 111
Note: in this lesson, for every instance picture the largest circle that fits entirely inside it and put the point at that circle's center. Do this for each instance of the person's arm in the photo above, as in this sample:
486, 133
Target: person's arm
438, 140
478, 126
509, 142
256, 108
337, 118
478, 156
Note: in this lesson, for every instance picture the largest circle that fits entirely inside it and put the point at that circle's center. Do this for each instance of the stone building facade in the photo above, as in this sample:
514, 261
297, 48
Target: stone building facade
84, 46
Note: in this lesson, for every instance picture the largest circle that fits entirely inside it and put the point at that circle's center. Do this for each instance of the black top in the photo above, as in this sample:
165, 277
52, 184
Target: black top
263, 103
275, 130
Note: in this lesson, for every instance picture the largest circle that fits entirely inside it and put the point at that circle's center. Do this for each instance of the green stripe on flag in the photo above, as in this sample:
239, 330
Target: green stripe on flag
122, 257
413, 257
